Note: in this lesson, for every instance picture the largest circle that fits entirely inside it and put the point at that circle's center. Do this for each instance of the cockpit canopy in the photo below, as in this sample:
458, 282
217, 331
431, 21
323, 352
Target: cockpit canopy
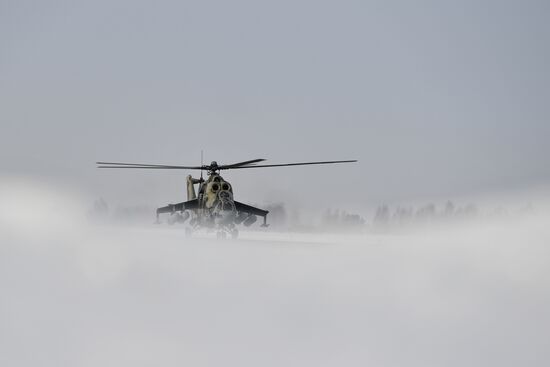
216, 184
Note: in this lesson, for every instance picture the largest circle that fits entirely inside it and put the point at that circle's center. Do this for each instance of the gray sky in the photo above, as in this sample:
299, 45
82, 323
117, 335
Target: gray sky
435, 98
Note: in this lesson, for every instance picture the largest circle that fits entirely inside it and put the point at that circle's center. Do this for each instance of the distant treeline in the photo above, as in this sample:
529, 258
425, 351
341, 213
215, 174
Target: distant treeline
383, 219
427, 214
402, 217
340, 219
102, 212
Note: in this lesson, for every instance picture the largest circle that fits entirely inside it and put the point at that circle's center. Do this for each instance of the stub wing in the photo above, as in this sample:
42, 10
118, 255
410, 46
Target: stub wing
179, 207
243, 208
240, 207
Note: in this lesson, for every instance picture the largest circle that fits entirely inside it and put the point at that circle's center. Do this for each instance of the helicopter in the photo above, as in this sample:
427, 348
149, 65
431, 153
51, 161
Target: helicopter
213, 207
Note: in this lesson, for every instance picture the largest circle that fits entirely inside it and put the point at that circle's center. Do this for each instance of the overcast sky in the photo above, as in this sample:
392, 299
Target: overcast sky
435, 98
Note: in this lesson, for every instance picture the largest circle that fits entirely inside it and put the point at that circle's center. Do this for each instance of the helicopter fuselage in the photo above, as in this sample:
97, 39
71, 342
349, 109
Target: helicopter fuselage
213, 206
215, 199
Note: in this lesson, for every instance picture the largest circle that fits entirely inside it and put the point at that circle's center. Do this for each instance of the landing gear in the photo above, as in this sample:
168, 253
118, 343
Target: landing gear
221, 235
234, 233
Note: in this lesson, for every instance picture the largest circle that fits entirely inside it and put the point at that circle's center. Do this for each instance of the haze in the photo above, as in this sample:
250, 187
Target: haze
79, 294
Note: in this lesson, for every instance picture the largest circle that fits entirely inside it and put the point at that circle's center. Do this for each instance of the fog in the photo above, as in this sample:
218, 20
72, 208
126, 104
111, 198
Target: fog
78, 293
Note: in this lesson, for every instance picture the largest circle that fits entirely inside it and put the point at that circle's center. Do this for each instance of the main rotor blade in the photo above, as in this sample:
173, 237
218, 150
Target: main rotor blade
152, 167
294, 164
227, 166
143, 165
245, 164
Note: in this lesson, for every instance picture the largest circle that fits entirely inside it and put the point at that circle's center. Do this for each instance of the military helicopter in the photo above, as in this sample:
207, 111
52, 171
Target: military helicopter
214, 208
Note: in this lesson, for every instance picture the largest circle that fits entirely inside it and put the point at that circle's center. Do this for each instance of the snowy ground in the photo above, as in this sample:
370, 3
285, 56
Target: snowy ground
74, 294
